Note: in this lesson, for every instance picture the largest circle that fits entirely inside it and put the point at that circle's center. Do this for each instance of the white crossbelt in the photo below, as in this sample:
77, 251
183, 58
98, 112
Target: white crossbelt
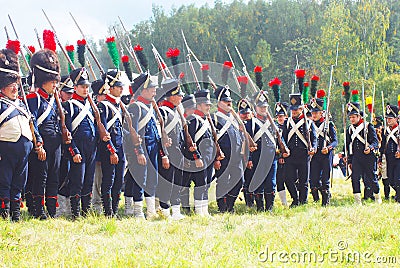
150, 114
320, 132
355, 133
175, 119
264, 128
229, 121
391, 134
6, 113
46, 113
117, 114
203, 128
85, 111
295, 129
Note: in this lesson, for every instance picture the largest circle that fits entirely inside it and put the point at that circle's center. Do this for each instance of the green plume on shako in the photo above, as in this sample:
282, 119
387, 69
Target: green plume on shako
113, 51
81, 49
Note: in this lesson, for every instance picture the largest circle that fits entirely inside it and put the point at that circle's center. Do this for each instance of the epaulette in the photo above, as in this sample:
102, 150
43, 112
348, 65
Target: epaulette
31, 95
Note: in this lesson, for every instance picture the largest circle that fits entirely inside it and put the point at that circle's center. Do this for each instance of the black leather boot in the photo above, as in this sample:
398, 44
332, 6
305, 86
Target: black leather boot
4, 208
315, 194
222, 207
259, 202
108, 212
29, 203
326, 197
51, 205
15, 210
75, 206
269, 201
86, 202
38, 205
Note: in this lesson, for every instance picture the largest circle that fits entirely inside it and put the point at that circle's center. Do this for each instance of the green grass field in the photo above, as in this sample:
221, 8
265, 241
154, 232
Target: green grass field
310, 235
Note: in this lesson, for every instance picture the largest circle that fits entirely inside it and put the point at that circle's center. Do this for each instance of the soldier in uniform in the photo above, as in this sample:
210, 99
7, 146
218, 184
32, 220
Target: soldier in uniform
297, 164
44, 167
66, 90
361, 159
229, 171
82, 149
111, 152
322, 161
281, 114
264, 159
246, 115
390, 149
98, 88
200, 131
170, 180
142, 176
15, 137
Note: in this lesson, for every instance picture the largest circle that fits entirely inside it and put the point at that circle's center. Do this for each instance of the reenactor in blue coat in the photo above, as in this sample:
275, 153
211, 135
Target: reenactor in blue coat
281, 114
301, 148
322, 160
98, 87
229, 171
15, 137
66, 91
142, 176
390, 149
44, 166
361, 152
171, 176
82, 149
264, 159
200, 163
111, 152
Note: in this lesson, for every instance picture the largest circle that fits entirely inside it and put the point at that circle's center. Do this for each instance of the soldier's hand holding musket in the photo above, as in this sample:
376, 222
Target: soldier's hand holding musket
249, 164
311, 151
41, 152
199, 163
141, 159
325, 150
165, 162
367, 150
114, 159
217, 165
77, 158
397, 154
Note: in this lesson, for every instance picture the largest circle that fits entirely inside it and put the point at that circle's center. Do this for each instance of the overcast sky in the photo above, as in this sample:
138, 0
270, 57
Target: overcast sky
94, 17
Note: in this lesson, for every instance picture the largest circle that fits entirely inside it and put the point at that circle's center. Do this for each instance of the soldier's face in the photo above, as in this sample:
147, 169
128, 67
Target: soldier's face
354, 118
149, 93
297, 112
11, 91
176, 99
205, 108
261, 110
391, 121
116, 91
281, 118
225, 105
316, 115
82, 90
50, 86
65, 95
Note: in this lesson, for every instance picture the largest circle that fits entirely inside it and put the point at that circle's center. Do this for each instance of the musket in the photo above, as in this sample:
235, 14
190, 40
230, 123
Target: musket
129, 47
5, 29
234, 68
189, 141
214, 86
373, 101
16, 35
383, 111
328, 102
364, 114
102, 130
38, 39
